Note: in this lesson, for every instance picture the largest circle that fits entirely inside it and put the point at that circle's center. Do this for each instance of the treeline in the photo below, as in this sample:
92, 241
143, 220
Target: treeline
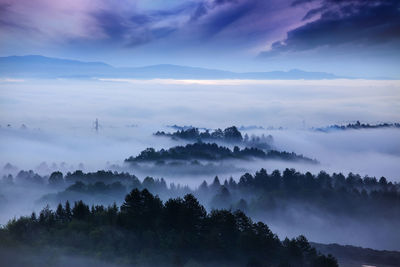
97, 192
58, 179
101, 192
146, 231
358, 125
93, 182
228, 135
214, 152
336, 194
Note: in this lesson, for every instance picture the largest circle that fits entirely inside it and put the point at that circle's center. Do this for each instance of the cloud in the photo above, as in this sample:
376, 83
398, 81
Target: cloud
223, 14
111, 24
337, 22
129, 24
6, 24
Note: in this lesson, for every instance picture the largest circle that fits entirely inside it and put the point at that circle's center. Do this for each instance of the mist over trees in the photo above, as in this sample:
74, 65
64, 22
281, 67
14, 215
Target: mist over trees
230, 135
335, 194
96, 209
174, 233
358, 126
352, 196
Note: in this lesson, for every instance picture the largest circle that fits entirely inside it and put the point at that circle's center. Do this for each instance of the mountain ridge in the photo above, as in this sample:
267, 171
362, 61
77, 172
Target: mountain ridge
37, 66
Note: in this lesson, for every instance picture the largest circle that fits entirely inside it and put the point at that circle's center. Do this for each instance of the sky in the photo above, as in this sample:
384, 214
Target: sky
358, 38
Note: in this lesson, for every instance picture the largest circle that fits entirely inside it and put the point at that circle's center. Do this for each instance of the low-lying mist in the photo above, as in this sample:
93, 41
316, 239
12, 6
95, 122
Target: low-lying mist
373, 152
58, 118
326, 208
48, 126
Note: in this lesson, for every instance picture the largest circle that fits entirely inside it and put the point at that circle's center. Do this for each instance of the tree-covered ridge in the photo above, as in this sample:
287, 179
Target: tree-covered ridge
337, 194
91, 182
214, 152
228, 135
352, 195
358, 125
57, 178
100, 192
101, 176
174, 233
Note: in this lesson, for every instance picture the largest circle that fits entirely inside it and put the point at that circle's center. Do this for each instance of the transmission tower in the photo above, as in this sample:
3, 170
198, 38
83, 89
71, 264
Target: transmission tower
96, 125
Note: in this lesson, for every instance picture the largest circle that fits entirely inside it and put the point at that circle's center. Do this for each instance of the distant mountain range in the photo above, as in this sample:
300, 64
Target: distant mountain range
34, 66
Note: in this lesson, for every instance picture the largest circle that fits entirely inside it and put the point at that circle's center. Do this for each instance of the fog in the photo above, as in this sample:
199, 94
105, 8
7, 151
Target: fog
52, 258
59, 117
328, 228
75, 104
59, 134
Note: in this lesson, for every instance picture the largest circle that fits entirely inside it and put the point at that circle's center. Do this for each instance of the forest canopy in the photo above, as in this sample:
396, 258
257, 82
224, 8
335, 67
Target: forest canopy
175, 233
228, 135
358, 125
214, 152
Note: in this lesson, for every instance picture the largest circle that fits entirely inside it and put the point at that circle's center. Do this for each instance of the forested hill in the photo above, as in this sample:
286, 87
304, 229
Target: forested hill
336, 194
349, 195
274, 195
358, 126
213, 152
228, 135
174, 233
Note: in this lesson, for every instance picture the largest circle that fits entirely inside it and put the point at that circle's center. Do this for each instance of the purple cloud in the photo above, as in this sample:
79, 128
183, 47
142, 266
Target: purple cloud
127, 25
224, 25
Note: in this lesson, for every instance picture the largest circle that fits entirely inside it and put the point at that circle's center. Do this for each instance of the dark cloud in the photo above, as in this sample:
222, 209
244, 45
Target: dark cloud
134, 29
7, 21
4, 23
141, 19
227, 17
210, 19
204, 8
149, 35
162, 31
111, 23
221, 2
207, 19
184, 8
200, 11
344, 22
228, 23
4, 8
125, 25
332, 2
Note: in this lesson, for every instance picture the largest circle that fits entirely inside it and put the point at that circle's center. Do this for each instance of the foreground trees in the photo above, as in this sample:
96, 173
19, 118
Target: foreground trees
146, 231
